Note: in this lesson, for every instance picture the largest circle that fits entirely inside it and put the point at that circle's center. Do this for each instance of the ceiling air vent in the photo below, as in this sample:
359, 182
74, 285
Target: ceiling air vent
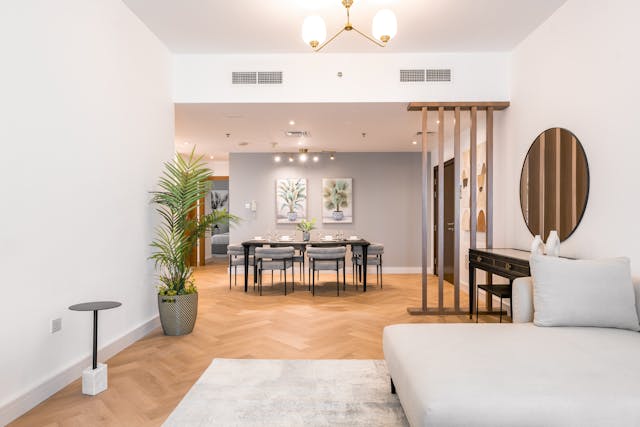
438, 75
256, 77
297, 133
270, 78
244, 77
411, 76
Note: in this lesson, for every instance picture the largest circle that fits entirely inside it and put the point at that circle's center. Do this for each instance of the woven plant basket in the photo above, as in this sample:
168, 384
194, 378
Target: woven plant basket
178, 313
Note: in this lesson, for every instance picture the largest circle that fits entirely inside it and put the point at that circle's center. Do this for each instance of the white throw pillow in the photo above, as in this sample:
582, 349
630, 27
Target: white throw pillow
583, 293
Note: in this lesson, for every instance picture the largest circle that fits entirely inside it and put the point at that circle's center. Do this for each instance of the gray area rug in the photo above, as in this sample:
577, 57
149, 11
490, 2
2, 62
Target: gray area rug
244, 392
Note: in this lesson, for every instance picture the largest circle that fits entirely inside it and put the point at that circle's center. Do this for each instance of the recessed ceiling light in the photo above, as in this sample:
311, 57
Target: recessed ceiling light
316, 158
414, 142
290, 159
277, 158
303, 157
300, 142
211, 157
332, 156
291, 122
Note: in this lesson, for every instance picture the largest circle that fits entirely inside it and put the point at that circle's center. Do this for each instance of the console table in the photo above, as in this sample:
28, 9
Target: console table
508, 263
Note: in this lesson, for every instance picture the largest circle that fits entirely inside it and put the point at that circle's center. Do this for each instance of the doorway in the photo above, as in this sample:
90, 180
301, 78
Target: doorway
449, 219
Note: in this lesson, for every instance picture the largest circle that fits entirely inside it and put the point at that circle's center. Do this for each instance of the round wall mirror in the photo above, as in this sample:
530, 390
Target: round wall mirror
554, 184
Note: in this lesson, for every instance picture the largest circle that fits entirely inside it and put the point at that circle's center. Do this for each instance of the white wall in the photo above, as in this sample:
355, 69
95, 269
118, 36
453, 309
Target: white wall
86, 122
386, 199
366, 77
579, 70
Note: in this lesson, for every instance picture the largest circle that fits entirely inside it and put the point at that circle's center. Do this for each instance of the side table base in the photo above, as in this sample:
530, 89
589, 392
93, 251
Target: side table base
94, 381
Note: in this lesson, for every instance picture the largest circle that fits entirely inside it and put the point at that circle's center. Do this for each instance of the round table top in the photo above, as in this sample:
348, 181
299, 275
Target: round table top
95, 305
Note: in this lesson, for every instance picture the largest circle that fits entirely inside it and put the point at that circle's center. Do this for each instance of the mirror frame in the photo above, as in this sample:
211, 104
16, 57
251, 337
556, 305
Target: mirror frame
586, 199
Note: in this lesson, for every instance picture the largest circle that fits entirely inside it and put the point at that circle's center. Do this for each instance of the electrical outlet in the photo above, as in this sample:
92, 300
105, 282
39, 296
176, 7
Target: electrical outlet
56, 325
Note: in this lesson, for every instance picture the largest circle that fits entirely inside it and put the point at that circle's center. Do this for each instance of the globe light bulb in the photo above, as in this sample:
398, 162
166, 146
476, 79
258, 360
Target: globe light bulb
385, 25
314, 31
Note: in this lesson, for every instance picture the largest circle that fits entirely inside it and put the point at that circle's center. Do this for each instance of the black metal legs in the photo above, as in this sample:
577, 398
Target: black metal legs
95, 339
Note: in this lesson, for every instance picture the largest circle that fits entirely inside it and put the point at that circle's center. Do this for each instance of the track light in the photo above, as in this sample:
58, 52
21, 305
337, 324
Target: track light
332, 156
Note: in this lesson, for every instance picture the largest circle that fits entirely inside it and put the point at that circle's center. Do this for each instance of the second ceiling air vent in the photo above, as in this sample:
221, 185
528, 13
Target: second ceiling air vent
428, 75
256, 77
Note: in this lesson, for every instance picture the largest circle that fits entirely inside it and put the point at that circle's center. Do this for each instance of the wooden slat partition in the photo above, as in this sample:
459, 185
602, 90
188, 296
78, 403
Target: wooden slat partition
441, 225
489, 179
426, 166
457, 108
451, 106
473, 177
456, 209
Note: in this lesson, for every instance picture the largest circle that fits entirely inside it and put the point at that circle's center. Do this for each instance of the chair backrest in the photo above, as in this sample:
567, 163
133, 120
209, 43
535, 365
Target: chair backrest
375, 249
326, 253
275, 253
235, 250
372, 249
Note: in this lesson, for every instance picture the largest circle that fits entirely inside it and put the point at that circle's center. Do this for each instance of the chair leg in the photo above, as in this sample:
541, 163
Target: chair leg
229, 271
235, 276
293, 275
477, 304
344, 275
313, 277
500, 309
337, 278
380, 271
285, 278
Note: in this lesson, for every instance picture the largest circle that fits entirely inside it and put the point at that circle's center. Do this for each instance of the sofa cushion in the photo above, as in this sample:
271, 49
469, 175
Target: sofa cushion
514, 375
597, 293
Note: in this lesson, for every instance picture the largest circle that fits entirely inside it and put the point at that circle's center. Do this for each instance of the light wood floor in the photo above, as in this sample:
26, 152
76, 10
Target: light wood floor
148, 379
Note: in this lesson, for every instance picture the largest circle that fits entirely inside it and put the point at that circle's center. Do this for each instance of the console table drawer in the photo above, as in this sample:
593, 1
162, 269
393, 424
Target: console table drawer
514, 268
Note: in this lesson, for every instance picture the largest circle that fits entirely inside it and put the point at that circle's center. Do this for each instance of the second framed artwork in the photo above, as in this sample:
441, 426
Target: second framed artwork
337, 200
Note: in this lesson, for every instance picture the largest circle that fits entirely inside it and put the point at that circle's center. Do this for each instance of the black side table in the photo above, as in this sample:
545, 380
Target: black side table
95, 307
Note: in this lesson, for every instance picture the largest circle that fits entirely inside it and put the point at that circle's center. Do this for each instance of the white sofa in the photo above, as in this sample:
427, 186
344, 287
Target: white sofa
516, 374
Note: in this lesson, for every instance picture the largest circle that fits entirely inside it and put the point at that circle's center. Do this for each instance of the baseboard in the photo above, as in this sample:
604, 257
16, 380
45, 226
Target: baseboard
52, 385
385, 270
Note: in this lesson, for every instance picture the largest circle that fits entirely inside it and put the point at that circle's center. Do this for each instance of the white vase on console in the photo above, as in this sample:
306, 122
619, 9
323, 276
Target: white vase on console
552, 248
537, 246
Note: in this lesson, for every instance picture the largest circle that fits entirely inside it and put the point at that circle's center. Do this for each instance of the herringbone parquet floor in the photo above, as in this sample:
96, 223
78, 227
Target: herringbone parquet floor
149, 378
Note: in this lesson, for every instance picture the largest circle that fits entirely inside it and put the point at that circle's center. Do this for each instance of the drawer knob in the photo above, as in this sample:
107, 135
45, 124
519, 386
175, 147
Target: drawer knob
478, 258
508, 266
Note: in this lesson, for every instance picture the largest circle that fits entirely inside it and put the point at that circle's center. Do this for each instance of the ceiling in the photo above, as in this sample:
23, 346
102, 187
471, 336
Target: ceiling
388, 127
274, 26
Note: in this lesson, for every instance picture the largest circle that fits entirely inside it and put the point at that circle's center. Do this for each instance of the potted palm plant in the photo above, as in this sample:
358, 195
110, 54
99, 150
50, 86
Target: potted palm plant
182, 184
291, 194
306, 227
336, 197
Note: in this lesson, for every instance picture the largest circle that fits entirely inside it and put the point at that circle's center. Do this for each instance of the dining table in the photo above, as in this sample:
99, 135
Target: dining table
301, 245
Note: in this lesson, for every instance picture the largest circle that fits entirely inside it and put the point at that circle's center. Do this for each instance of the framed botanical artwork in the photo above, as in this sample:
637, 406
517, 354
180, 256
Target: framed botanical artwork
291, 200
337, 200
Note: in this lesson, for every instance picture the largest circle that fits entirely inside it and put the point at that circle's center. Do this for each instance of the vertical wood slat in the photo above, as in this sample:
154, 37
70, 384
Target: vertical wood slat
441, 221
558, 219
456, 224
489, 178
574, 183
425, 207
473, 150
541, 185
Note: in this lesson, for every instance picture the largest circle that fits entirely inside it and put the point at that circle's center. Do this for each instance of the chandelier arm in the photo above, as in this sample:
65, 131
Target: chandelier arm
369, 37
330, 40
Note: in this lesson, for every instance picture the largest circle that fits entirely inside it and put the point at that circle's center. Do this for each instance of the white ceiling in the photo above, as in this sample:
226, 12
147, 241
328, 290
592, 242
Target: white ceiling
338, 127
274, 26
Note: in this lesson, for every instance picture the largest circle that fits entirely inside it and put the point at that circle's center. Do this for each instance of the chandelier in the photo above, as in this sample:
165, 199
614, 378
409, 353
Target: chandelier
384, 28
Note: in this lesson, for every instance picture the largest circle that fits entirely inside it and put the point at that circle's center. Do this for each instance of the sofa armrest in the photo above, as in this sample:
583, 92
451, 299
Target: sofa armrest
522, 300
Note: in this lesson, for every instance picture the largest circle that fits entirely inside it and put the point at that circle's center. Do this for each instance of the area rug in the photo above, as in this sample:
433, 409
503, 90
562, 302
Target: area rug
243, 392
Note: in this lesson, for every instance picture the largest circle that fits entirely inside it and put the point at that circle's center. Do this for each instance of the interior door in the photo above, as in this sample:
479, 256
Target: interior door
449, 219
